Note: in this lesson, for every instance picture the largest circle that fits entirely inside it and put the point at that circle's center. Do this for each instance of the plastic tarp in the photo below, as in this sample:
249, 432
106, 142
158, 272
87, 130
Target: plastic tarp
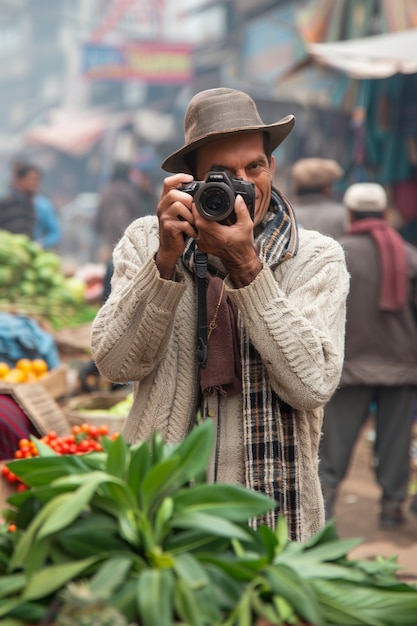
379, 56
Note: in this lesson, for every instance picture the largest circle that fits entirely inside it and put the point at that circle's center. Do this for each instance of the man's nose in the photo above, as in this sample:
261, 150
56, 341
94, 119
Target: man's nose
241, 173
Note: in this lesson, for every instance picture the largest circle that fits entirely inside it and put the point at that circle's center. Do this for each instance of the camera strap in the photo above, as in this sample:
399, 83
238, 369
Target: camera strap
200, 260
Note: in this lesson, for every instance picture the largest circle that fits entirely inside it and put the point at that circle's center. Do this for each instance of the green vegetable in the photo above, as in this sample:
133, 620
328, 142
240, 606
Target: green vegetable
146, 537
32, 282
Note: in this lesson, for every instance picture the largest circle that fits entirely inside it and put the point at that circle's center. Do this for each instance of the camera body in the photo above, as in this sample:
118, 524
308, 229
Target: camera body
215, 196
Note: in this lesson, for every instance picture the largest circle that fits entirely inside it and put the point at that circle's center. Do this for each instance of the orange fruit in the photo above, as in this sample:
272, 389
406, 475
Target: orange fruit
15, 376
31, 377
39, 366
4, 369
25, 365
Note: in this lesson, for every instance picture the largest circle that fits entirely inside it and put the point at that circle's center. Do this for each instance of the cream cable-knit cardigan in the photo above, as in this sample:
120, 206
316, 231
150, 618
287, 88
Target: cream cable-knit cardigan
146, 333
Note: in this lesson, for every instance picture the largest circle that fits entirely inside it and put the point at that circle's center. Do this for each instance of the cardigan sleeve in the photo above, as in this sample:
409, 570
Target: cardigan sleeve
132, 328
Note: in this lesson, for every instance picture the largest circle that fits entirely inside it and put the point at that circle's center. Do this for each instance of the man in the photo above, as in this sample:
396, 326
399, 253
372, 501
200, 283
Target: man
275, 312
47, 230
17, 212
380, 354
122, 200
314, 205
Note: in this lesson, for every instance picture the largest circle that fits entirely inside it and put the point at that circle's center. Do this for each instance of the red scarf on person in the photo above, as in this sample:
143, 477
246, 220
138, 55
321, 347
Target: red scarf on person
394, 273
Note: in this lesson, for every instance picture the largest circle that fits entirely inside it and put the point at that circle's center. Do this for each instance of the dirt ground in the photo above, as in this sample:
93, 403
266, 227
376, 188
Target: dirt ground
357, 510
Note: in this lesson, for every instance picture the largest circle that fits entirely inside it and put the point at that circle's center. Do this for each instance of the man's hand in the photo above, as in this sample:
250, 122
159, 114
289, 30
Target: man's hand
176, 222
232, 244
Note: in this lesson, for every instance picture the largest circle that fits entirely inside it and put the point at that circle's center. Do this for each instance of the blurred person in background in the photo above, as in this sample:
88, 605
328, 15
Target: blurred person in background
312, 184
380, 366
275, 304
47, 230
17, 210
24, 210
128, 195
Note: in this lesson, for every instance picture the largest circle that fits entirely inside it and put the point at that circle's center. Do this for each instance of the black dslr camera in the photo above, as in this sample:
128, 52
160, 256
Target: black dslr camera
215, 196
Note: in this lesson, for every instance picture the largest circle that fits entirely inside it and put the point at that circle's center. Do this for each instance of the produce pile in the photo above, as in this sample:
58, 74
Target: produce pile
24, 371
136, 535
32, 282
82, 439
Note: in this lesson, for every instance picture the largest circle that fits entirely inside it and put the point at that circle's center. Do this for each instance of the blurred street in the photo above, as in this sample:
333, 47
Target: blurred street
357, 510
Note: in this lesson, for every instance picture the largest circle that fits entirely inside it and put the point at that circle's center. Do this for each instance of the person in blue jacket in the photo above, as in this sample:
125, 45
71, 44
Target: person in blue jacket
47, 230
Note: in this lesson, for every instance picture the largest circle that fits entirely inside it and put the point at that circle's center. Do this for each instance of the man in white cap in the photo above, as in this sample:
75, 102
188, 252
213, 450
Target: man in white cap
380, 354
275, 311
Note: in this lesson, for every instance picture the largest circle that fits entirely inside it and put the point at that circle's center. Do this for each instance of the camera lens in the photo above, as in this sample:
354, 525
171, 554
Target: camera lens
215, 201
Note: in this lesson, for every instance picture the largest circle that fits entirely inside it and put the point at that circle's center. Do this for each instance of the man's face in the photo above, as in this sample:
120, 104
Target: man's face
245, 157
29, 184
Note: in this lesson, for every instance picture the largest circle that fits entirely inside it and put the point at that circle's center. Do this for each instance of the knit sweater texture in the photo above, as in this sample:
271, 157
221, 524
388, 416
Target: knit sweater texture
145, 333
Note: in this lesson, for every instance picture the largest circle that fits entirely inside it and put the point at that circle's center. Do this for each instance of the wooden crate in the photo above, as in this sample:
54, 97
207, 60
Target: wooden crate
73, 409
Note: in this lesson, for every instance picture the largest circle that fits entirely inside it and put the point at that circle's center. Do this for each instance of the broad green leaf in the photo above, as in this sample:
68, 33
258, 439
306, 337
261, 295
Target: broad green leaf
285, 582
8, 605
281, 531
269, 540
40, 471
209, 523
43, 449
37, 556
125, 599
315, 570
28, 538
227, 589
157, 448
110, 575
284, 610
331, 550
187, 605
11, 584
232, 502
50, 579
155, 597
78, 546
117, 458
192, 539
190, 571
348, 603
188, 459
195, 451
140, 463
237, 569
29, 612
72, 504
158, 482
162, 520
125, 517
264, 609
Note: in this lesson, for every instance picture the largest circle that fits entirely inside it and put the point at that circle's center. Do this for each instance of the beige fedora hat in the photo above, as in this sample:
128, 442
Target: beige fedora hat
221, 112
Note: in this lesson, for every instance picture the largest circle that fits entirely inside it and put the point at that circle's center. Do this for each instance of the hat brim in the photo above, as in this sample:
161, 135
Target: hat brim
277, 132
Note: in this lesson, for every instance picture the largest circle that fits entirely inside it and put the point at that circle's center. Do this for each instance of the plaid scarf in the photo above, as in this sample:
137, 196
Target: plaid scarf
270, 441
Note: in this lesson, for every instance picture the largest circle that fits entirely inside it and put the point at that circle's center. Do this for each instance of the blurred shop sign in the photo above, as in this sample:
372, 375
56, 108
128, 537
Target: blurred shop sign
271, 45
161, 63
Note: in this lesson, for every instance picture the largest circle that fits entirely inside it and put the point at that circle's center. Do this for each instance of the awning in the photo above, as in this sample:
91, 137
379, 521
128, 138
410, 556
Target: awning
379, 56
74, 132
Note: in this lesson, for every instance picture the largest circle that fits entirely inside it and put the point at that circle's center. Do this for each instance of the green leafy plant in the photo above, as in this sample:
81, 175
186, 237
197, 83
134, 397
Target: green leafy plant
141, 528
